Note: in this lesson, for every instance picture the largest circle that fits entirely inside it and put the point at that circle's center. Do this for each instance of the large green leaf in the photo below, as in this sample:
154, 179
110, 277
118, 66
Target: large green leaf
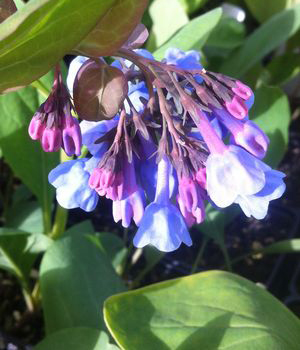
26, 157
263, 10
272, 114
76, 278
42, 32
211, 310
162, 14
193, 35
262, 41
77, 338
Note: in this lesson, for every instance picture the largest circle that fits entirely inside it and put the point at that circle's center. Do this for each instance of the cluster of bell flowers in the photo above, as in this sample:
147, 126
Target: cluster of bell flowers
163, 182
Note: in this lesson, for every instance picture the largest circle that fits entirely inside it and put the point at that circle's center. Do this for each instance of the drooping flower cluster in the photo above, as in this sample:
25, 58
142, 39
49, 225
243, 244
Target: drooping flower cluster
182, 137
53, 123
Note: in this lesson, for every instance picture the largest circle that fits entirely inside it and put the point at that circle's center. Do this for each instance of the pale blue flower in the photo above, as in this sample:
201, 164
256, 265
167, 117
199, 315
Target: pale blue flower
184, 60
71, 182
236, 176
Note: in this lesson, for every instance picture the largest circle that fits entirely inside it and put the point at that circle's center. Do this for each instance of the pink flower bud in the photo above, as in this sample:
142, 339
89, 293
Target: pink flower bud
242, 90
72, 139
237, 108
51, 139
94, 180
253, 139
201, 177
36, 128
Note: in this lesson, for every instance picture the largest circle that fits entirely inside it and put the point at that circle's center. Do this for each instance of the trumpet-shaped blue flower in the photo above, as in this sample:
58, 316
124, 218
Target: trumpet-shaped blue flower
162, 225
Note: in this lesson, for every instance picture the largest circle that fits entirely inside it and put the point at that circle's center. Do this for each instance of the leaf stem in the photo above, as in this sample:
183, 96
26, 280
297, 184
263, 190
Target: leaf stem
60, 222
23, 281
41, 87
199, 255
228, 263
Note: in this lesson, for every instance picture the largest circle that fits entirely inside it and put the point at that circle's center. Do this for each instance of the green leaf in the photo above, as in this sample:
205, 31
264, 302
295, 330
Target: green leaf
283, 68
191, 6
26, 157
76, 278
210, 310
272, 114
26, 216
113, 246
227, 34
262, 41
162, 14
186, 39
77, 338
19, 3
113, 29
282, 247
263, 10
14, 255
39, 34
82, 228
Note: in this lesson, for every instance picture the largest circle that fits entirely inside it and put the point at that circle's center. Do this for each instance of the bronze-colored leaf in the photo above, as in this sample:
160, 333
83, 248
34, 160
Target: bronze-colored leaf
137, 37
99, 90
113, 29
7, 8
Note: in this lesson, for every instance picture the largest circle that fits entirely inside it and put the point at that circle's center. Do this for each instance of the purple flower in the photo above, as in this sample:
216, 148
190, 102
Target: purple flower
92, 131
162, 224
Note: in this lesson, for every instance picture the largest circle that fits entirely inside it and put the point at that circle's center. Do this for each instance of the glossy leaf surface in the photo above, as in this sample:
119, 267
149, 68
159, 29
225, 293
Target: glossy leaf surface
76, 278
211, 310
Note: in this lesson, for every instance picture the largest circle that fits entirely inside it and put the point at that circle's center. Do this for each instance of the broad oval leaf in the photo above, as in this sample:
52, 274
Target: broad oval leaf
39, 34
211, 310
193, 35
76, 277
99, 90
262, 41
77, 338
113, 29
